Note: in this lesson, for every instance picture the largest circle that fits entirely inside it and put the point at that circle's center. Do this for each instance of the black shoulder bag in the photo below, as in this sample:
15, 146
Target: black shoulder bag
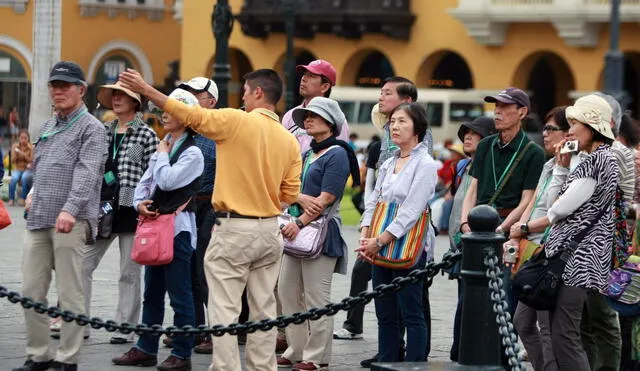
538, 280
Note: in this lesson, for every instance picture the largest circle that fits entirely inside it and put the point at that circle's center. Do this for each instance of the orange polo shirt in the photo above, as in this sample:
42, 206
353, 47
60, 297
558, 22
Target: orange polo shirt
258, 162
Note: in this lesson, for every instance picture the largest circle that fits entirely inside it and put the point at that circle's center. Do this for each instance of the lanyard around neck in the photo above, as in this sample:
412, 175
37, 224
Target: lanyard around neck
540, 194
117, 148
496, 182
176, 146
305, 168
49, 134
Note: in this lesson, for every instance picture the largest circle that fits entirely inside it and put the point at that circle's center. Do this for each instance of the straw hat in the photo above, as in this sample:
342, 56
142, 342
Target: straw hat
106, 92
378, 119
593, 111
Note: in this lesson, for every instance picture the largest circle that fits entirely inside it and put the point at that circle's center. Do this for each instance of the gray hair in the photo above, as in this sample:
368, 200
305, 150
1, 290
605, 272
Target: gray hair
616, 110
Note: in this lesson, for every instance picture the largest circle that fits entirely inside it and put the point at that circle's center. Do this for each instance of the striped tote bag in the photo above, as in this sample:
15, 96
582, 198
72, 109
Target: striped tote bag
403, 252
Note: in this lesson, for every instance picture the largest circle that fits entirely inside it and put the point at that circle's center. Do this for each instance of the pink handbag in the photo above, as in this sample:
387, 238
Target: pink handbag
153, 241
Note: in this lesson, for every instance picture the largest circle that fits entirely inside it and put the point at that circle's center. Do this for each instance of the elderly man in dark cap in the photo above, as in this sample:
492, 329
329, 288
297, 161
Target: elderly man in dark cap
63, 212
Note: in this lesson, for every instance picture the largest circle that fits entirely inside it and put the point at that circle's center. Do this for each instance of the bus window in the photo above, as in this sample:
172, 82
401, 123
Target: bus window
364, 112
460, 112
434, 114
349, 110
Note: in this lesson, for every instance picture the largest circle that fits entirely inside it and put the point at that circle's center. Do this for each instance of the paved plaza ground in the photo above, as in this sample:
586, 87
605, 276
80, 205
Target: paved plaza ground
97, 352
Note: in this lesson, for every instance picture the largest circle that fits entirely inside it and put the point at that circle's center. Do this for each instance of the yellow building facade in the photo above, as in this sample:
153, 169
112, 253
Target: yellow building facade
553, 48
103, 37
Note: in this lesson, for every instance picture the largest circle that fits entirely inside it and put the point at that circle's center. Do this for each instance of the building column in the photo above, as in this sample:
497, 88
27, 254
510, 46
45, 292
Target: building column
47, 24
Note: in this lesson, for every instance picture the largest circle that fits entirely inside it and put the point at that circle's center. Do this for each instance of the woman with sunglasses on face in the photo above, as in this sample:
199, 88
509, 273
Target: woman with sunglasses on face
407, 179
531, 228
306, 283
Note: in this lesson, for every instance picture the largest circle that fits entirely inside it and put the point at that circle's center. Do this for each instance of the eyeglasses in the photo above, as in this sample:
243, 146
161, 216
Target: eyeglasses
551, 128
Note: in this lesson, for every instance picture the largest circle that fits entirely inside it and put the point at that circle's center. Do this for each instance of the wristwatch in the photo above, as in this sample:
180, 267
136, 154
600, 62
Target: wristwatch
378, 243
524, 228
298, 223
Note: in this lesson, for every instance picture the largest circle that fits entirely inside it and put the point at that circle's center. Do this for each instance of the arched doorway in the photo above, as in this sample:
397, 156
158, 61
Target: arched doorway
15, 88
106, 72
303, 56
240, 66
373, 70
445, 69
548, 80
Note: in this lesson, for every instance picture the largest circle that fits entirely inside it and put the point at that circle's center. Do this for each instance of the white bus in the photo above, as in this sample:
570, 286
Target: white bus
446, 109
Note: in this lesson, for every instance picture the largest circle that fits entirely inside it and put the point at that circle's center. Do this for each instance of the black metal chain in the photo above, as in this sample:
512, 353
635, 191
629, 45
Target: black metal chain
397, 284
500, 307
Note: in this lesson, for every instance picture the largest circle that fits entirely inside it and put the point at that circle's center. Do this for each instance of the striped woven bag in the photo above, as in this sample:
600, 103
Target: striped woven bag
403, 252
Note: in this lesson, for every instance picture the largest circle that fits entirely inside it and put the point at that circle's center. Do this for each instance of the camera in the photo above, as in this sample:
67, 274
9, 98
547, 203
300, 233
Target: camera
570, 146
152, 208
511, 254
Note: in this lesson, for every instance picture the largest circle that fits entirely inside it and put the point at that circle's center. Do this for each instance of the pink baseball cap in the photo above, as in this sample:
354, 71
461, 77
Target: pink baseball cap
320, 67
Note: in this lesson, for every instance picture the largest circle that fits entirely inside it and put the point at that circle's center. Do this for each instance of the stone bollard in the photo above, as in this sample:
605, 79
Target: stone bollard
479, 337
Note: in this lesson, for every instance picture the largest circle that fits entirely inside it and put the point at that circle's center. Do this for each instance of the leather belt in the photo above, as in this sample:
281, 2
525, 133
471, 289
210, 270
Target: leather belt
504, 212
203, 197
232, 215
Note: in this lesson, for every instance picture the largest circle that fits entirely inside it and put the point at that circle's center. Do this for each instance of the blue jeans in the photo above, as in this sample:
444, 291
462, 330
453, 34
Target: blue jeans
403, 306
174, 278
26, 179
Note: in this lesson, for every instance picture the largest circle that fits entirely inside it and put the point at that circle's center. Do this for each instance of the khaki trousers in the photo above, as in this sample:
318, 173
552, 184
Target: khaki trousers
129, 287
306, 284
243, 253
45, 249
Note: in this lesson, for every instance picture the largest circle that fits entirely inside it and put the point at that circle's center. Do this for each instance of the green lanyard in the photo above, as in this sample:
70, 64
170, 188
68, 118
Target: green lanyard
116, 149
539, 195
177, 145
305, 168
496, 182
49, 134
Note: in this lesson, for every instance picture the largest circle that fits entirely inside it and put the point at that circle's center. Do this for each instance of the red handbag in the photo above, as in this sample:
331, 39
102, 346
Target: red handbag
5, 219
153, 241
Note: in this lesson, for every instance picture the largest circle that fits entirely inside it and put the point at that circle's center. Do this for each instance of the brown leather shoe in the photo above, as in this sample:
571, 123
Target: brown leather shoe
174, 363
206, 347
135, 357
281, 345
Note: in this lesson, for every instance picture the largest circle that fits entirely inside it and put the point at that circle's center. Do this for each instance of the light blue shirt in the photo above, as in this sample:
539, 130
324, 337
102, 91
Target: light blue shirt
411, 188
189, 166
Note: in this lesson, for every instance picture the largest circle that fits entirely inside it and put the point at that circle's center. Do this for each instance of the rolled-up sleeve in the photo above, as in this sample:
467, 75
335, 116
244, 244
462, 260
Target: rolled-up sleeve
421, 190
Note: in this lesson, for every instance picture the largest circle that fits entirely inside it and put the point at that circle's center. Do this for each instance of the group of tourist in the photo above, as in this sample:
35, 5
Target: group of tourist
227, 239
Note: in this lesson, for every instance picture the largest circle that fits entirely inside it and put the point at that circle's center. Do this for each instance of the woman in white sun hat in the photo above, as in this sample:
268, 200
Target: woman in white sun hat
582, 214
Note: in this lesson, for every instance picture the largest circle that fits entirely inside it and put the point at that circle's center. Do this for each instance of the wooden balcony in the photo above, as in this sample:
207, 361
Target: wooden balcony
346, 18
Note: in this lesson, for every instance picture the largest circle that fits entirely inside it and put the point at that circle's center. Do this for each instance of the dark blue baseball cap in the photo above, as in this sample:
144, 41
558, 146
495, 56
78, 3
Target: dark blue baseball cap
511, 96
67, 71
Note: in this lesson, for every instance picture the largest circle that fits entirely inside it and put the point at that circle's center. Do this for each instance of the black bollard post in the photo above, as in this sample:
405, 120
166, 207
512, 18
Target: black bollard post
479, 337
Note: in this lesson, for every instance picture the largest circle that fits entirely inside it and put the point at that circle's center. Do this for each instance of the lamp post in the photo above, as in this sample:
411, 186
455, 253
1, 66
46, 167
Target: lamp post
222, 24
614, 60
289, 11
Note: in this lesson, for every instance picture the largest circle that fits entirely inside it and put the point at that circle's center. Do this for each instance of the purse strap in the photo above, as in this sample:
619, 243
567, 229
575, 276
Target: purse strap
183, 206
573, 245
509, 174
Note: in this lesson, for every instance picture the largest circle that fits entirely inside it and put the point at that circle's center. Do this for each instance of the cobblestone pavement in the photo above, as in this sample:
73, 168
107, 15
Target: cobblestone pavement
97, 352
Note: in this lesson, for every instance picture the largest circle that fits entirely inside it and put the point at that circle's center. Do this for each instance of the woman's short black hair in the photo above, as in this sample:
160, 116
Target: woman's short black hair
559, 116
630, 130
419, 117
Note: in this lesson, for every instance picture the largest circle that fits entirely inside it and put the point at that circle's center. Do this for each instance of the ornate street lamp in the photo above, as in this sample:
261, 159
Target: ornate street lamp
289, 11
614, 60
222, 24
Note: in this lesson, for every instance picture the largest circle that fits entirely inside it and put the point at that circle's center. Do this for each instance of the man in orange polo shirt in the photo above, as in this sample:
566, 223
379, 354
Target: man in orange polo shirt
258, 168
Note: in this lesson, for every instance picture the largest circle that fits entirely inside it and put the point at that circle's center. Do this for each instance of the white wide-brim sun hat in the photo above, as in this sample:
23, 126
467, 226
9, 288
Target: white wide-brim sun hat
594, 111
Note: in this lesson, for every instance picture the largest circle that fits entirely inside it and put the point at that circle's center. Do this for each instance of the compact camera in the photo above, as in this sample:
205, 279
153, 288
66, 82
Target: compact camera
511, 254
570, 146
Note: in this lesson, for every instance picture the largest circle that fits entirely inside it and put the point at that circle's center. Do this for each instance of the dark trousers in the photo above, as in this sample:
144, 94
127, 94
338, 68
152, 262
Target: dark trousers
360, 277
170, 278
457, 320
406, 303
205, 219
600, 331
565, 329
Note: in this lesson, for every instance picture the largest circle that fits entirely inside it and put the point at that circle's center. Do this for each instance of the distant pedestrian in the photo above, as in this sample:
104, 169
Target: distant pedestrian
21, 164
68, 165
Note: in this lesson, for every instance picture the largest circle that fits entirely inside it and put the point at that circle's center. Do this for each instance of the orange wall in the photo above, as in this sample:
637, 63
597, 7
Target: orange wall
18, 27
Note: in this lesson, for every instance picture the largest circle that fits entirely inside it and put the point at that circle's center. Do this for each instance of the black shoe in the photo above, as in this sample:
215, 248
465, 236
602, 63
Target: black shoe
56, 335
367, 362
118, 340
30, 365
59, 366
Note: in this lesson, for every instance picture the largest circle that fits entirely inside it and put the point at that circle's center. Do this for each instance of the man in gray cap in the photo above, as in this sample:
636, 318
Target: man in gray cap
63, 212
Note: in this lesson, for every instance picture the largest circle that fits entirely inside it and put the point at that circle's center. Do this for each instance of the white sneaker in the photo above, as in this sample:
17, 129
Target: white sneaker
345, 334
55, 324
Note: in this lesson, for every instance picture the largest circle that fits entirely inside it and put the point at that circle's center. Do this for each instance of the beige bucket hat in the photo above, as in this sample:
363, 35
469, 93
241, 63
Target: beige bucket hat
594, 111
106, 92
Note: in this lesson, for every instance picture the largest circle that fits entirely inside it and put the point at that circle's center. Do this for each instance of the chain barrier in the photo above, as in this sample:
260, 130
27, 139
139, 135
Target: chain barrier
500, 307
432, 269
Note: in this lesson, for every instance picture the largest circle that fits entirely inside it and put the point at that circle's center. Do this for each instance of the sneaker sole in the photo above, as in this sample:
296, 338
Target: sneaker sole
354, 337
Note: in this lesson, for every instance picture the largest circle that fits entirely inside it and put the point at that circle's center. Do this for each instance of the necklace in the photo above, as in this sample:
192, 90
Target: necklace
405, 156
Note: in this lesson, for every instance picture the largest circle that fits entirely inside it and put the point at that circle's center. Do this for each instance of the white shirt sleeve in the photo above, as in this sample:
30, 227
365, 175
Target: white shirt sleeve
579, 191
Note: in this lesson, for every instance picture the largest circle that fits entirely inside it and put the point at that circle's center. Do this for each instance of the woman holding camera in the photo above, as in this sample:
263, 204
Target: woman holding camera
582, 220
407, 179
171, 182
